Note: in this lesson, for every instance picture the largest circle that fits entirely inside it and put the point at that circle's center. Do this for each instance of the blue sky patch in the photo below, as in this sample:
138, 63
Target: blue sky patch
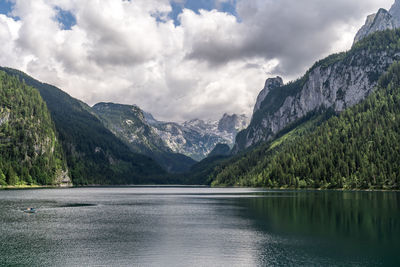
196, 5
65, 18
6, 7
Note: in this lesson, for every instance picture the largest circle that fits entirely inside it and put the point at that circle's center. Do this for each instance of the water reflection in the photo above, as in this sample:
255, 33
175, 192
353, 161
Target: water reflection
356, 228
198, 227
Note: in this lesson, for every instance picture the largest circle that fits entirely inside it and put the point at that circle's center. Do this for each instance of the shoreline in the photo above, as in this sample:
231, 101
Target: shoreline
30, 187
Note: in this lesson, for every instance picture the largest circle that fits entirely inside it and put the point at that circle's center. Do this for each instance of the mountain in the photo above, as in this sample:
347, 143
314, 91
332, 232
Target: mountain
30, 150
383, 20
270, 84
358, 149
380, 21
230, 125
336, 82
129, 124
94, 155
220, 150
197, 138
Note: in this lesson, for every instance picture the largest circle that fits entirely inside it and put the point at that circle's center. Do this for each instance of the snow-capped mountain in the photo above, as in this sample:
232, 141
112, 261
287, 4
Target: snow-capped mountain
197, 138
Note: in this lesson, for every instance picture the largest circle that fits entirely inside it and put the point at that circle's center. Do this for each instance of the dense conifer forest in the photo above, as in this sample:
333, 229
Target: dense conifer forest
30, 152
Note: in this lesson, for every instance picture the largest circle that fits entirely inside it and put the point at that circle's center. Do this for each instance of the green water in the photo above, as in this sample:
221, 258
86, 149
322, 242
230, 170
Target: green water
141, 226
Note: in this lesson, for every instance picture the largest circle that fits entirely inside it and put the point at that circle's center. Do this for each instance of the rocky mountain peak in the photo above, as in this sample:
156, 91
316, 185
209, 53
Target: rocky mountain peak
232, 123
395, 10
119, 108
270, 84
335, 83
383, 20
150, 119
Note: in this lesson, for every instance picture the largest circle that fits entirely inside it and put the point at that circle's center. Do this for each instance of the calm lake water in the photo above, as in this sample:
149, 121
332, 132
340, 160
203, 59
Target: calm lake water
139, 226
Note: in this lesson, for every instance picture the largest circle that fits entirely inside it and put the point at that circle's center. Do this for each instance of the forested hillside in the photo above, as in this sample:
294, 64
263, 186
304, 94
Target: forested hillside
29, 150
360, 148
128, 124
94, 155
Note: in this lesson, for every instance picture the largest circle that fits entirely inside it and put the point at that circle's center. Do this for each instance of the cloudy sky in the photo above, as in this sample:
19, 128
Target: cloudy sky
178, 59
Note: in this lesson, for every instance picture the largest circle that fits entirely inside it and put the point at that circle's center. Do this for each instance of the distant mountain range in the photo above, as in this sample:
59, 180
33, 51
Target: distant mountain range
164, 141
197, 138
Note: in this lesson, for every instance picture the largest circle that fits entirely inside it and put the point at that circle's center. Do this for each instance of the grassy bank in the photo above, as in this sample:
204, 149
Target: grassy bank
16, 187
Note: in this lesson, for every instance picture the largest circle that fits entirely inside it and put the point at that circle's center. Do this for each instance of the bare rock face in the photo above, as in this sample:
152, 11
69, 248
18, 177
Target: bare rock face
232, 123
395, 10
383, 20
63, 179
270, 84
338, 82
197, 138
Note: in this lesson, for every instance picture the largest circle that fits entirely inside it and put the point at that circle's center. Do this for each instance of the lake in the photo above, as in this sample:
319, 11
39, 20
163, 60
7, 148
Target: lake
187, 226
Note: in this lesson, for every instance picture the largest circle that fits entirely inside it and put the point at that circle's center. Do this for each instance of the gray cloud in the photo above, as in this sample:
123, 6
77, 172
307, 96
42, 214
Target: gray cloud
210, 64
294, 32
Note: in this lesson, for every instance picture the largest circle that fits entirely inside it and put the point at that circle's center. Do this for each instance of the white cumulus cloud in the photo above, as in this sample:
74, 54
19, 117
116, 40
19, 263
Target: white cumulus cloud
213, 62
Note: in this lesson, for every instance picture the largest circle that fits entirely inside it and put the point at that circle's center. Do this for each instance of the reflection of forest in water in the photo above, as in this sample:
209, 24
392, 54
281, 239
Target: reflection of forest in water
363, 216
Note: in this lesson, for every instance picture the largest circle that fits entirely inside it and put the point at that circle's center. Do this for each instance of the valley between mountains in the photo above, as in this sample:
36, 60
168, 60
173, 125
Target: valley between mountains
336, 127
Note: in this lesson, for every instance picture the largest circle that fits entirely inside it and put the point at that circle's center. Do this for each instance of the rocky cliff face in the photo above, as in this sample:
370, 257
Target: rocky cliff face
270, 84
232, 124
383, 20
190, 140
395, 10
337, 82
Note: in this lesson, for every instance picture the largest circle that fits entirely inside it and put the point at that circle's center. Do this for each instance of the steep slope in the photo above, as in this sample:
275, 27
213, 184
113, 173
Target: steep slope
29, 150
395, 10
383, 20
220, 150
128, 123
230, 125
360, 148
94, 154
270, 84
196, 138
339, 81
202, 172
380, 21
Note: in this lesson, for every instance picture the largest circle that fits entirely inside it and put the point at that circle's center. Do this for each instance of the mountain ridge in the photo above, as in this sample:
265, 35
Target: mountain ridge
129, 123
380, 21
338, 81
94, 155
356, 149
